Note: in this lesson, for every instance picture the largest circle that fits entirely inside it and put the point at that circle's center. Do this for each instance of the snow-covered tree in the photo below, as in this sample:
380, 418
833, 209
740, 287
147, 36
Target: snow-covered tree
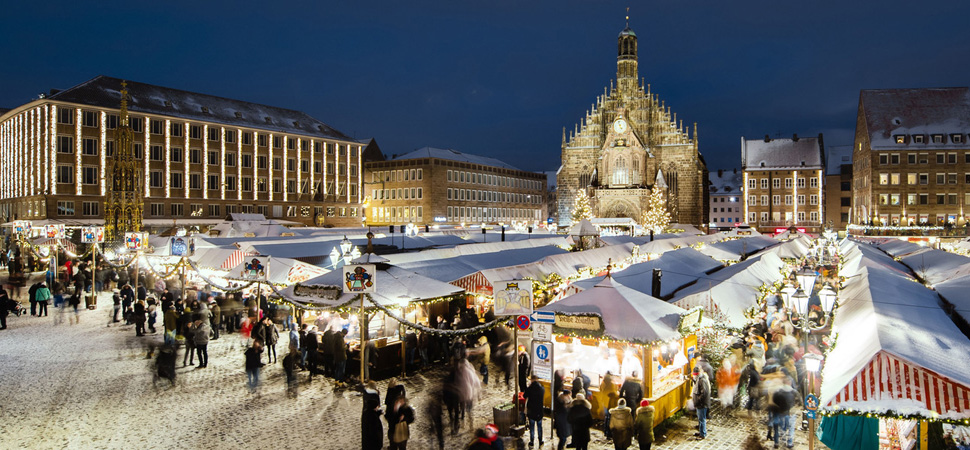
657, 218
581, 208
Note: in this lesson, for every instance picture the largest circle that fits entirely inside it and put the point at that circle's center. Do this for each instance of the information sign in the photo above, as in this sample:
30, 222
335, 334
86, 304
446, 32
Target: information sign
542, 360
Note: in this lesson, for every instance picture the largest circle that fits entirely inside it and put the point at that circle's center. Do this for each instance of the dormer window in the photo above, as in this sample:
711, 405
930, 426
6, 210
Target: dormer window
900, 138
956, 138
320, 127
937, 139
238, 115
919, 139
296, 124
168, 104
205, 110
268, 119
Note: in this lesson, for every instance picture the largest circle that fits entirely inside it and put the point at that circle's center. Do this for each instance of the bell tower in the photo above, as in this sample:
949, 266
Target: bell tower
626, 59
124, 203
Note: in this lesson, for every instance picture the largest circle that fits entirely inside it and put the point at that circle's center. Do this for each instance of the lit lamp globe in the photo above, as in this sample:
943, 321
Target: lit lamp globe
813, 362
800, 302
827, 297
345, 245
786, 293
806, 279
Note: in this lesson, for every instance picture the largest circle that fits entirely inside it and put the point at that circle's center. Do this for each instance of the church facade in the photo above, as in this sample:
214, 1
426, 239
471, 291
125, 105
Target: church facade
629, 143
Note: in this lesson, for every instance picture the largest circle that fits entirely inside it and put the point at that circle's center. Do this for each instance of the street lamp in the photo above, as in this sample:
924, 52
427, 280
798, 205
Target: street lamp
813, 363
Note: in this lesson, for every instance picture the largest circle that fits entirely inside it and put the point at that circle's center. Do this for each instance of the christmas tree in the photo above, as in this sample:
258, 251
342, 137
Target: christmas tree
657, 217
582, 209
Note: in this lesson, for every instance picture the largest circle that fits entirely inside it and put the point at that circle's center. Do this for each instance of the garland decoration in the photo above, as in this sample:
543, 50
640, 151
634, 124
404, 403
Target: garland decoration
434, 331
225, 289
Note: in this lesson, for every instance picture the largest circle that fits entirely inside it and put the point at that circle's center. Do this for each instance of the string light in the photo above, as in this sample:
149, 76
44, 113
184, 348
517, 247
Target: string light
205, 161
269, 167
168, 158
104, 146
144, 156
185, 160
239, 132
285, 166
77, 152
222, 163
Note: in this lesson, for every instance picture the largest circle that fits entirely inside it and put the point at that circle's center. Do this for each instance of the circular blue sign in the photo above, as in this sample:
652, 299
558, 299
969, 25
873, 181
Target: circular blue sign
542, 352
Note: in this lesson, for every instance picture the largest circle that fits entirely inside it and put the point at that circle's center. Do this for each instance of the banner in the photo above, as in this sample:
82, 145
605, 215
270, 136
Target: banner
136, 240
256, 268
513, 297
360, 279
92, 235
182, 246
54, 232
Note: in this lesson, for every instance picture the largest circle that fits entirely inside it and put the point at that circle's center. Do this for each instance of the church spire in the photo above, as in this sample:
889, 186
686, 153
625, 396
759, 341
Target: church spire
626, 59
124, 204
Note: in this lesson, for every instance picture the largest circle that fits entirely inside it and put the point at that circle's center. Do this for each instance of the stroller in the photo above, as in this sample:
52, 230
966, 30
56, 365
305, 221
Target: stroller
15, 307
165, 365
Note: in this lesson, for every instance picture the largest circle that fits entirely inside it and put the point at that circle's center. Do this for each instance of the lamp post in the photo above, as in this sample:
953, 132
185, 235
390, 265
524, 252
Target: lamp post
813, 363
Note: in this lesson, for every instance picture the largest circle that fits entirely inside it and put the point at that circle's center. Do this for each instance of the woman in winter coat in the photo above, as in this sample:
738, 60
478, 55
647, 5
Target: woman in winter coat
371, 428
643, 425
400, 413
621, 424
139, 317
561, 411
580, 419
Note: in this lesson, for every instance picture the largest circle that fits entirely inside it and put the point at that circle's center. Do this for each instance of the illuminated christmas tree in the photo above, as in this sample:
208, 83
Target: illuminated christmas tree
582, 209
657, 218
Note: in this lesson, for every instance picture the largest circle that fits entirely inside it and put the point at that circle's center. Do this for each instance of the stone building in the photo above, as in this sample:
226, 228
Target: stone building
726, 199
911, 160
626, 139
784, 180
838, 186
202, 157
433, 185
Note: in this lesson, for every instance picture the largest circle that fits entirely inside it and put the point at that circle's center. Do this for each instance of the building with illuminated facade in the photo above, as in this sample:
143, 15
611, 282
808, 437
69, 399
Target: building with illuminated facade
433, 185
202, 158
911, 160
784, 181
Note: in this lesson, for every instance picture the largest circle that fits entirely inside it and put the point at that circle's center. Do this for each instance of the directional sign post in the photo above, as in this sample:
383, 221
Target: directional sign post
542, 360
544, 316
541, 331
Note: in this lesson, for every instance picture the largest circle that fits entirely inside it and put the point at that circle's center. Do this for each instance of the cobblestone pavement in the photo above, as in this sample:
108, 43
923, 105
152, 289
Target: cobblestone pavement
89, 386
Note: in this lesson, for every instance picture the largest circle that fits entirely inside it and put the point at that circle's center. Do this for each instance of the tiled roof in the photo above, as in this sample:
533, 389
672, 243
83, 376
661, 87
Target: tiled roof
781, 153
729, 182
105, 92
927, 111
454, 155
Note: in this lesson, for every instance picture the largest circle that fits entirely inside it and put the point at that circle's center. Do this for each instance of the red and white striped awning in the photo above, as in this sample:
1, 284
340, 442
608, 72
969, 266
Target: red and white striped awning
890, 378
233, 260
475, 283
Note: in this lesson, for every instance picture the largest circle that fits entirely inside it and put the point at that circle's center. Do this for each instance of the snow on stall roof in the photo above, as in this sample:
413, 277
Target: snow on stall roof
281, 271
926, 111
628, 315
105, 92
564, 264
805, 153
900, 247
793, 249
474, 249
731, 250
679, 268
395, 286
454, 155
955, 291
731, 290
936, 266
460, 265
882, 308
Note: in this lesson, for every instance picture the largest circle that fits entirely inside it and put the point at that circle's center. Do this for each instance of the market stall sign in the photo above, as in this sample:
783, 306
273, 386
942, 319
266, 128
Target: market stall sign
512, 298
360, 278
326, 292
542, 360
92, 235
811, 405
589, 323
256, 268
689, 319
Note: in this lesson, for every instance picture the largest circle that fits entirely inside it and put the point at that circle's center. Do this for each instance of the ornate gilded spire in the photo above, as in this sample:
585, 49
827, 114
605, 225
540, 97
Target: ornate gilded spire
628, 17
124, 104
124, 204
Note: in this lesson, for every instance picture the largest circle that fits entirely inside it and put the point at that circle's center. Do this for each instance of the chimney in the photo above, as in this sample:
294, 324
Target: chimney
767, 138
794, 137
720, 173
655, 285
735, 170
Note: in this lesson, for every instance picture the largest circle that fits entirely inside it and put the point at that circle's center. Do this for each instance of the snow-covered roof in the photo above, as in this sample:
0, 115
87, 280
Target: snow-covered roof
781, 153
726, 182
955, 291
926, 111
453, 155
565, 264
395, 287
627, 315
936, 266
281, 271
734, 249
105, 92
678, 269
584, 228
900, 247
835, 157
793, 249
460, 263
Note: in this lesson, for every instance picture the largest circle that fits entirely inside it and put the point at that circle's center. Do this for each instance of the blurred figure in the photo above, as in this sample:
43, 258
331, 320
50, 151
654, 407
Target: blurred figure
433, 411
621, 424
561, 412
170, 322
115, 307
534, 396
399, 419
371, 428
487, 439
580, 419
469, 387
702, 399
165, 364
643, 425
253, 364
138, 315
290, 363
201, 339
42, 297
75, 301
188, 333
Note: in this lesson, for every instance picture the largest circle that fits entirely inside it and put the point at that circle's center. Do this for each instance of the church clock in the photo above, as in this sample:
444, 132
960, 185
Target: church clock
620, 126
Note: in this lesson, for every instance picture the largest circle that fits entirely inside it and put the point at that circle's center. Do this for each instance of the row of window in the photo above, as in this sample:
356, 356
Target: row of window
89, 119
956, 138
923, 158
398, 214
776, 183
482, 214
922, 178
399, 193
726, 220
398, 175
753, 216
724, 199
460, 176
714, 210
66, 208
922, 199
492, 196
776, 200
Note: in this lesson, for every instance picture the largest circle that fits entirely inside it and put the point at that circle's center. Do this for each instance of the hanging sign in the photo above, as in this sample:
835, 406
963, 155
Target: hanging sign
54, 231
360, 279
811, 405
21, 226
512, 298
135, 240
91, 235
255, 268
182, 246
542, 360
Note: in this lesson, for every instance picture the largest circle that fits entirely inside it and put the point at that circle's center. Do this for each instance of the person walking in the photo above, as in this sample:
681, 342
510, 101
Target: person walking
188, 333
152, 311
621, 425
201, 340
170, 322
75, 301
6, 304
253, 364
561, 411
643, 425
43, 297
32, 298
290, 363
138, 315
216, 318
371, 428
631, 390
399, 420
534, 397
115, 308
701, 395
580, 419
340, 356
779, 414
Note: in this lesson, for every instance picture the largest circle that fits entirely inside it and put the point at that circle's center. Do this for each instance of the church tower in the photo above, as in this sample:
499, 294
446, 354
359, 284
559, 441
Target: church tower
124, 204
626, 60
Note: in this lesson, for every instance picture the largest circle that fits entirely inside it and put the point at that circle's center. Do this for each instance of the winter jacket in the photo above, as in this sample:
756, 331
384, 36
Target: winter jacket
271, 333
42, 295
609, 388
702, 391
534, 401
170, 320
632, 391
580, 419
643, 425
621, 424
371, 427
252, 358
202, 334
340, 348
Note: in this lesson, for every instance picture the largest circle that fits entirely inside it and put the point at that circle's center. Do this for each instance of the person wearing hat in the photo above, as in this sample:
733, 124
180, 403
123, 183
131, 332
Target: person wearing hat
643, 425
621, 425
371, 427
116, 306
580, 418
701, 395
487, 439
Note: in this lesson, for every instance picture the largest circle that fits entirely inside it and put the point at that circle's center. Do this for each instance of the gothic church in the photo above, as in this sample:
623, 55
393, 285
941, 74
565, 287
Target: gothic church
628, 144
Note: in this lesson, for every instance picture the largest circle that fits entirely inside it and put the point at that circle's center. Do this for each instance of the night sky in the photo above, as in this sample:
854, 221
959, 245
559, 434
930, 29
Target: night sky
501, 78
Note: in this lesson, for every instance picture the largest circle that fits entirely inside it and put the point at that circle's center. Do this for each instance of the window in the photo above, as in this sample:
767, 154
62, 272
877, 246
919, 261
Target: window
924, 178
290, 186
156, 126
177, 209
801, 216
290, 163
230, 183
918, 138
195, 156
65, 116
89, 175
231, 159
195, 181
956, 138
911, 158
924, 158
137, 125
137, 151
883, 159
156, 179
894, 199
353, 171
910, 178
230, 137
951, 178
213, 134
176, 179
764, 183
883, 199
951, 158
91, 208
894, 158
951, 199
155, 153
940, 158
940, 199
261, 185
214, 183
924, 199
894, 179
247, 184
213, 158
112, 121
277, 186
764, 216
89, 119
776, 183
214, 211
847, 201
883, 178
753, 200
788, 183
941, 178
247, 161
176, 129
775, 199
801, 199
261, 140
813, 182
304, 165
277, 142
65, 144
967, 179
261, 162
900, 138
65, 208
420, 176
317, 167
801, 183
813, 200
787, 201
813, 216
330, 148
195, 132
910, 199
247, 139
177, 154
937, 138
764, 200
89, 147
277, 163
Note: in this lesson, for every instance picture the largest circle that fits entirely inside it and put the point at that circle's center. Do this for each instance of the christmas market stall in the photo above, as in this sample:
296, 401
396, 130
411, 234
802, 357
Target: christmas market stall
677, 268
401, 296
898, 361
612, 328
735, 250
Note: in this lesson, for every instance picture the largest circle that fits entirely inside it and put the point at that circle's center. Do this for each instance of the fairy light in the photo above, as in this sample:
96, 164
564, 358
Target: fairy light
47, 155
29, 125
360, 174
820, 216
77, 151
239, 140
285, 166
104, 146
205, 161
324, 184
795, 197
255, 166
144, 157
222, 163
336, 168
185, 160
269, 167
312, 157
168, 159
299, 160
348, 174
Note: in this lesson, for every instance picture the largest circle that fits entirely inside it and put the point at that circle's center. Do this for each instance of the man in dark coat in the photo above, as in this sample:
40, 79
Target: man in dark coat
340, 355
139, 318
534, 396
216, 318
701, 395
31, 294
371, 428
779, 414
5, 306
580, 419
253, 364
632, 390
